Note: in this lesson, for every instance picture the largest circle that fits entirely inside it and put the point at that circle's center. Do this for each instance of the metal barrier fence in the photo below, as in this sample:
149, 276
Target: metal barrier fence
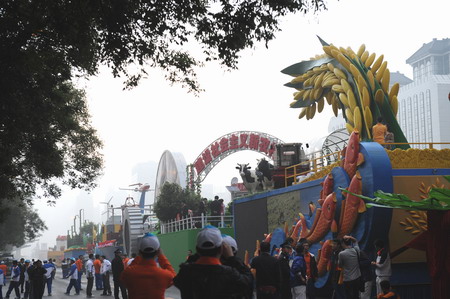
191, 222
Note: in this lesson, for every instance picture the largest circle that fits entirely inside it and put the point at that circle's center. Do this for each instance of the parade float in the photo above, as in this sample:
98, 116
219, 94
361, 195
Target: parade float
334, 201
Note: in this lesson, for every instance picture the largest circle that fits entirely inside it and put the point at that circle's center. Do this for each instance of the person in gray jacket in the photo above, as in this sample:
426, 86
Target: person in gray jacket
348, 261
382, 264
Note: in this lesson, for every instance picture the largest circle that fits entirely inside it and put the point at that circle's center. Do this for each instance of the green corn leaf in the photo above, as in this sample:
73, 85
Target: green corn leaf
324, 43
304, 66
301, 103
442, 195
390, 196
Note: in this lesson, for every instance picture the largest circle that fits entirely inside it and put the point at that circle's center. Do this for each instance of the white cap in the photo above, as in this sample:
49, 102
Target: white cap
209, 238
149, 243
230, 241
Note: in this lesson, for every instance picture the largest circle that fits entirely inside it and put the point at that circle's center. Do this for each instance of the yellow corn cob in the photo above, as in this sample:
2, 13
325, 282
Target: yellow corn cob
349, 128
330, 66
379, 97
335, 107
361, 50
351, 99
337, 88
327, 50
339, 73
303, 112
368, 117
377, 64
320, 105
369, 60
380, 71
394, 105
394, 90
357, 119
385, 80
318, 80
364, 56
365, 97
349, 115
312, 111
345, 85
330, 82
354, 70
344, 99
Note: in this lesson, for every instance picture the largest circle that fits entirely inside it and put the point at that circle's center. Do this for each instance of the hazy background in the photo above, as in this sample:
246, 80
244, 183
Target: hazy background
137, 126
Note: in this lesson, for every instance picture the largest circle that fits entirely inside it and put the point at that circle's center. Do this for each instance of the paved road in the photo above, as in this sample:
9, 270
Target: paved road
60, 285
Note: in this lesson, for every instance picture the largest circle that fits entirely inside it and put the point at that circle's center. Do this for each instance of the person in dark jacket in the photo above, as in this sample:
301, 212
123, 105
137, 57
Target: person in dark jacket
22, 274
298, 274
268, 276
238, 264
365, 265
285, 270
117, 269
37, 277
207, 277
311, 271
335, 270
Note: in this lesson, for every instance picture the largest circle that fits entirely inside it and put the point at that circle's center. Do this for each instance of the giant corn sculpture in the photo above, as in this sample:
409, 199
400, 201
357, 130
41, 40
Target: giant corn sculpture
357, 83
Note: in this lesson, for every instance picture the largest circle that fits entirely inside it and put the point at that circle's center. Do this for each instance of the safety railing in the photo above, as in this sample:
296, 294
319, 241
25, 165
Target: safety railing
193, 222
430, 145
314, 165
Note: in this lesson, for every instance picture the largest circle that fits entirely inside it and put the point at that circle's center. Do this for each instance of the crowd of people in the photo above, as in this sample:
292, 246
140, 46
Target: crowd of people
28, 278
214, 271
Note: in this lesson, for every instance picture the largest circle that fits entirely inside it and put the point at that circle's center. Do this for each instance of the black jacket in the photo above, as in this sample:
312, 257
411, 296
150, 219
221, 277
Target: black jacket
197, 281
117, 267
267, 270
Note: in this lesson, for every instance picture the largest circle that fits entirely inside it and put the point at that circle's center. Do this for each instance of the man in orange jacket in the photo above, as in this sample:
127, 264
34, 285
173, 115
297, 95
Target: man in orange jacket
143, 278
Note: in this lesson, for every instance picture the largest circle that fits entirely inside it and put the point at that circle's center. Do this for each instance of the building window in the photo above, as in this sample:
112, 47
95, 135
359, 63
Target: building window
409, 134
416, 121
402, 119
439, 65
428, 69
422, 125
446, 64
429, 124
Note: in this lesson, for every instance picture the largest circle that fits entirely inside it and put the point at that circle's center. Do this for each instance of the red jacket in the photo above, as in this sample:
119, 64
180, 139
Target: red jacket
144, 279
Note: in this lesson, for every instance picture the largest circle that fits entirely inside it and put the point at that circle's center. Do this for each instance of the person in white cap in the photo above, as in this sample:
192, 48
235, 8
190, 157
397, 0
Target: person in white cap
207, 277
73, 274
143, 278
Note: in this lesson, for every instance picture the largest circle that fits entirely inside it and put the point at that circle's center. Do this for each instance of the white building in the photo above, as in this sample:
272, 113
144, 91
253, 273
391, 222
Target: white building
424, 104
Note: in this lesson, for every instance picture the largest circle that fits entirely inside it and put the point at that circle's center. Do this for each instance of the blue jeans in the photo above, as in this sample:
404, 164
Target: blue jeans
98, 281
49, 282
1, 292
79, 279
73, 283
